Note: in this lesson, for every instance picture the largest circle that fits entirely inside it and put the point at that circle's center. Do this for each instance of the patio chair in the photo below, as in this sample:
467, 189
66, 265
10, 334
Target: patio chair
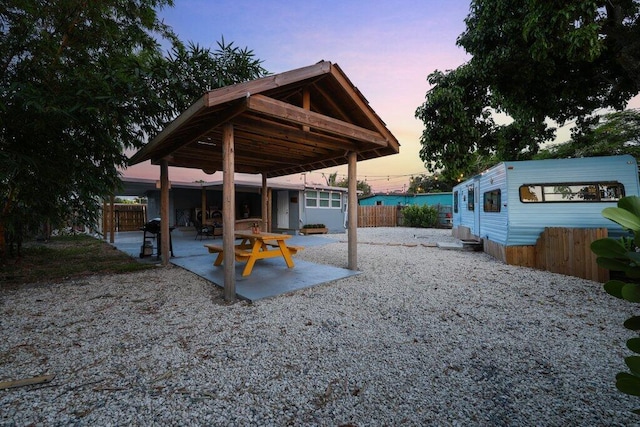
200, 230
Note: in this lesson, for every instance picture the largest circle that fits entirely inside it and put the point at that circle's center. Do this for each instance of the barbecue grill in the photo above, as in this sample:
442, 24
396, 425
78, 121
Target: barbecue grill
153, 227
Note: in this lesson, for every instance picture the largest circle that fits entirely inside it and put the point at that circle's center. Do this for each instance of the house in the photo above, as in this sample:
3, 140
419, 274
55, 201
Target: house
510, 205
406, 199
441, 201
291, 204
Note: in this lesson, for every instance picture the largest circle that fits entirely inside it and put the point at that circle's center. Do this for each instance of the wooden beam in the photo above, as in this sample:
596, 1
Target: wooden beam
164, 212
265, 204
228, 212
144, 153
229, 93
263, 127
306, 104
195, 130
364, 106
352, 242
290, 113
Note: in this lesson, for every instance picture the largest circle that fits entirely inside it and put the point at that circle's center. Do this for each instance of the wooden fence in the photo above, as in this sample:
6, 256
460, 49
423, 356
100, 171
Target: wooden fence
392, 216
559, 250
377, 216
127, 217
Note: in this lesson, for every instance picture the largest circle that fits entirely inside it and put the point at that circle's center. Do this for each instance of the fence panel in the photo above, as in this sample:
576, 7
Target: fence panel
568, 251
127, 217
377, 216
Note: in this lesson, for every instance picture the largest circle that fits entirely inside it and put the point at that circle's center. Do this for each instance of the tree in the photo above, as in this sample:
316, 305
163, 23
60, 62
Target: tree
81, 83
456, 121
331, 179
430, 184
613, 133
361, 186
534, 61
560, 60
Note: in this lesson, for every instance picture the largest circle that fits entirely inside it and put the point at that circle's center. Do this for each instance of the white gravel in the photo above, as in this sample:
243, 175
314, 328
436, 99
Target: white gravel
424, 336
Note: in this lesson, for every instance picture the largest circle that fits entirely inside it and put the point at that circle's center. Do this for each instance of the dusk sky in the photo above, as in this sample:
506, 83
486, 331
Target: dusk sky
387, 49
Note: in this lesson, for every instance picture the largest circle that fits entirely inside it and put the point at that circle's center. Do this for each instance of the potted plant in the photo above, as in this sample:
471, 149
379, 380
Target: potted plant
314, 229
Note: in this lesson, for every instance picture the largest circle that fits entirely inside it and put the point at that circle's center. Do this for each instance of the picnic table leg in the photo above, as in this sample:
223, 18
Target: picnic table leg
219, 259
285, 253
257, 245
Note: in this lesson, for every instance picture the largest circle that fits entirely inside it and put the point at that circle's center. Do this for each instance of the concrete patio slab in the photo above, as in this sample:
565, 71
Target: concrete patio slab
269, 278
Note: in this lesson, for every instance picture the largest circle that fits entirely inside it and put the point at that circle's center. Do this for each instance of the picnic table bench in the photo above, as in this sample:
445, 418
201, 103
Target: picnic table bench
255, 246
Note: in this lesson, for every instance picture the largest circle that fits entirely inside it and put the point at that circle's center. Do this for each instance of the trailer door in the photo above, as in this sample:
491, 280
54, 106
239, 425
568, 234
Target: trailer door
476, 208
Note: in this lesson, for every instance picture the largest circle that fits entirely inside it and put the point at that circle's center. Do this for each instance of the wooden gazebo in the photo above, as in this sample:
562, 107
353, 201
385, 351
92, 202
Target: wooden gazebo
297, 121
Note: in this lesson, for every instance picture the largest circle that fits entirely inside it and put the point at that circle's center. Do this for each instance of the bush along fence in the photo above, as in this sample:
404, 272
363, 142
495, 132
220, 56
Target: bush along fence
404, 216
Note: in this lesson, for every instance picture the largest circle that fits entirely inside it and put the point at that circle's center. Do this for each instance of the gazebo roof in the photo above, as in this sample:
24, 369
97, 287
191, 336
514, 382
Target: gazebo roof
297, 121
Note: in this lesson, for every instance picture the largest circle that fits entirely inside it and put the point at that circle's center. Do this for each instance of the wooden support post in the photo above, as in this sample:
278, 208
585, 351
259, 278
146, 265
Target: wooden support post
352, 212
270, 209
265, 204
104, 219
228, 212
112, 226
164, 212
203, 205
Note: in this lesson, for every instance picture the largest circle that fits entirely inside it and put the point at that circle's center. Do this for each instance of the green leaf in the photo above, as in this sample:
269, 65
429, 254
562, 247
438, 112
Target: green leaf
632, 323
631, 204
634, 256
628, 384
623, 217
633, 362
609, 248
612, 264
631, 292
614, 287
633, 344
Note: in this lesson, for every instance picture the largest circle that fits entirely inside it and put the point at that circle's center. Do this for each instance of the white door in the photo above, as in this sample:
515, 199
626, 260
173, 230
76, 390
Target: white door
283, 210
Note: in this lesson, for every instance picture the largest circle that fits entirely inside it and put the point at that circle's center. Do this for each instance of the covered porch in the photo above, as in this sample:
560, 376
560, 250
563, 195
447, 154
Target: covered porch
293, 122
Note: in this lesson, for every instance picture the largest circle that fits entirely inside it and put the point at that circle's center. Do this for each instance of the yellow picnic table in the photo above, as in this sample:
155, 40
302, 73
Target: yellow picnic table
255, 246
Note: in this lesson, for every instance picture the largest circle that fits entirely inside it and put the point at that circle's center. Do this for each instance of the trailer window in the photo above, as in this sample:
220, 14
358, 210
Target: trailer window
492, 201
572, 192
455, 201
470, 198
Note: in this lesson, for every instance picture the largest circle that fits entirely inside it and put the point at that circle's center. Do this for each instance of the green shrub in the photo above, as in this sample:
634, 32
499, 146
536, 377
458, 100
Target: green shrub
420, 216
622, 255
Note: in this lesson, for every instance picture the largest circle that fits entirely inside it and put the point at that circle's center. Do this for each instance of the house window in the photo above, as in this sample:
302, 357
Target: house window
455, 201
379, 203
336, 200
572, 192
311, 199
470, 198
492, 201
323, 199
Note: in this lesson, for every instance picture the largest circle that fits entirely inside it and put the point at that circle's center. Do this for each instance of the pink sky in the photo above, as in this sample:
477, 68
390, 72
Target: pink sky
387, 49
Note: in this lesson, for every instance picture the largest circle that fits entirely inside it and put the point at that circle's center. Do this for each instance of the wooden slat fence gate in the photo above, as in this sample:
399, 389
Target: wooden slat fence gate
377, 216
127, 217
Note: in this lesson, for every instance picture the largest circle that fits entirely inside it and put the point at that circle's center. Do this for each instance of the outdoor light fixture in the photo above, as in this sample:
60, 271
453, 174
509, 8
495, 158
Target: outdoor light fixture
213, 144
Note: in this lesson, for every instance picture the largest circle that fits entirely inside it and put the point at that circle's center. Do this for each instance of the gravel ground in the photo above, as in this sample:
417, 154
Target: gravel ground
424, 336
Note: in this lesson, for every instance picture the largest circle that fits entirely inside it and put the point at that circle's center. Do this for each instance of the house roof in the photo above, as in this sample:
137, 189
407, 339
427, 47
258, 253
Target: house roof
139, 186
297, 121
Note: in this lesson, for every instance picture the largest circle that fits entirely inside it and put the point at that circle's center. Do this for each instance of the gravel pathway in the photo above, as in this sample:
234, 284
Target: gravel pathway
423, 336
